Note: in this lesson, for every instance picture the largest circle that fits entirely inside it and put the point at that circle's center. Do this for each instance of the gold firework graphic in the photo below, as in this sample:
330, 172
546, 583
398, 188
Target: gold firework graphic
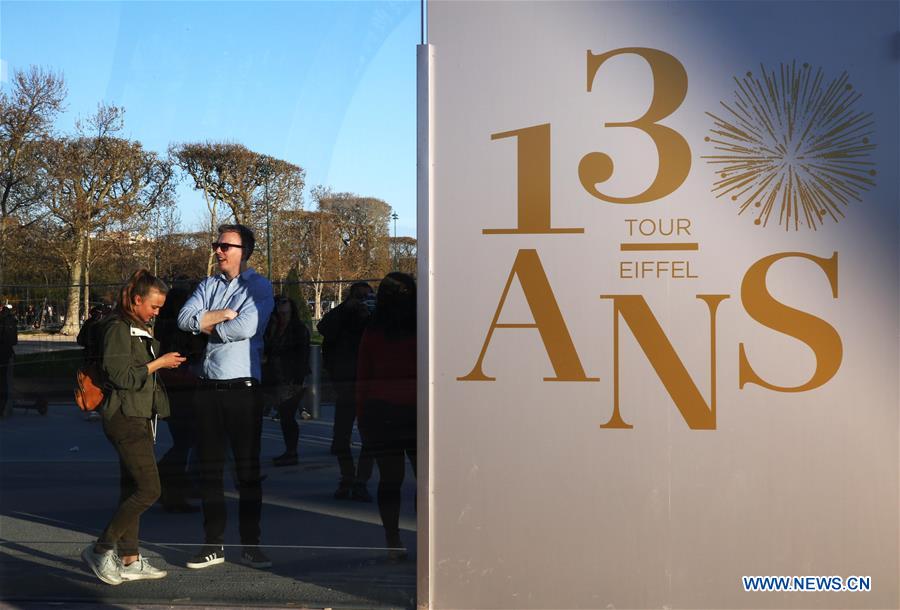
791, 142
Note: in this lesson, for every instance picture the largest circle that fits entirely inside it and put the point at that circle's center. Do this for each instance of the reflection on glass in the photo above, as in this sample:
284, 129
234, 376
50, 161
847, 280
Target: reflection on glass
135, 131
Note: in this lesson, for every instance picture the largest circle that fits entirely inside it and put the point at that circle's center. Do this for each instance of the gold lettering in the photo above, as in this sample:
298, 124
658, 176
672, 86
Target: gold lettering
660, 269
668, 366
663, 265
533, 182
670, 85
820, 336
662, 226
547, 319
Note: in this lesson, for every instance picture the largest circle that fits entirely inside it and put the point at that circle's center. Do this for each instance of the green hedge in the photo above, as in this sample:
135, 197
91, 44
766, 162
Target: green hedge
56, 364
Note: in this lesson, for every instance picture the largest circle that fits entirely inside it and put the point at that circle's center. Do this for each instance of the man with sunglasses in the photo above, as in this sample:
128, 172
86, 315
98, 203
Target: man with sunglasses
233, 308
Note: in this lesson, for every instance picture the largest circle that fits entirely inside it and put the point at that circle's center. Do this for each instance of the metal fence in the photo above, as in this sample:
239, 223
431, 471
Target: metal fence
42, 308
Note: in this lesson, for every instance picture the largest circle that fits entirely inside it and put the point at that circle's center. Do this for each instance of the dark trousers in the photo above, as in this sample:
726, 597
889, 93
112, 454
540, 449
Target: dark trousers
176, 483
390, 433
287, 416
138, 481
4, 384
229, 418
342, 434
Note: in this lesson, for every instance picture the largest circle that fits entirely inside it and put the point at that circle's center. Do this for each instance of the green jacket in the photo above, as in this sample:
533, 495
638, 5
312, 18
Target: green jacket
130, 387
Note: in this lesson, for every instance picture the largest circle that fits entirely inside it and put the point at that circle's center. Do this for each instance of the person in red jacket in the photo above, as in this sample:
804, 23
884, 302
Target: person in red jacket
386, 396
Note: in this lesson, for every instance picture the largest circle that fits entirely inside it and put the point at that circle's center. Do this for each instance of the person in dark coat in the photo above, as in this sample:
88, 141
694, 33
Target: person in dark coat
386, 396
181, 383
90, 337
9, 337
285, 366
342, 329
133, 402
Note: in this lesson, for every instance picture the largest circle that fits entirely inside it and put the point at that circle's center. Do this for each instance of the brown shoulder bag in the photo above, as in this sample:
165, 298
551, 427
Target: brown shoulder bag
88, 388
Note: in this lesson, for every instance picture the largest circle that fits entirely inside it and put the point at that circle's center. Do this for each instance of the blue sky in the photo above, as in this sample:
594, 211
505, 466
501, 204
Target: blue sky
329, 86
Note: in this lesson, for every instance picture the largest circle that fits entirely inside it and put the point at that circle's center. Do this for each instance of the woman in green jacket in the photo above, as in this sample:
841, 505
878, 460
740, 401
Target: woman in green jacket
134, 401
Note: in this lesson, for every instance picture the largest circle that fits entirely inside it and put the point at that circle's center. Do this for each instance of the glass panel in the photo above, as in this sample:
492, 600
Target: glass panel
155, 124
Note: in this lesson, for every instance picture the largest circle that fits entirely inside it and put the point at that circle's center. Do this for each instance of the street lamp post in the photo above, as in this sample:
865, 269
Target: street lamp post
266, 170
394, 217
155, 250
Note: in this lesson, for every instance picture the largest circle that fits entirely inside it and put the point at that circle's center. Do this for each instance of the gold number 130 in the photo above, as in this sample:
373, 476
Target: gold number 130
670, 84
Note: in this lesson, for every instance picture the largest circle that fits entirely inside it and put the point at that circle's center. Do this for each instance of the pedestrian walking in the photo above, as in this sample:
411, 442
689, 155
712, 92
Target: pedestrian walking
181, 384
286, 365
91, 339
232, 307
386, 396
133, 402
9, 337
342, 329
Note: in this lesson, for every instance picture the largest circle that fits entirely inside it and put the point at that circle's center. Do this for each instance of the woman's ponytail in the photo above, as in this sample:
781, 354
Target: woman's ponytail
139, 284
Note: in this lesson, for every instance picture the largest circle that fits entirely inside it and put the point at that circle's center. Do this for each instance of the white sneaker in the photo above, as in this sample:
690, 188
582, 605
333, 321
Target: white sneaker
140, 570
104, 565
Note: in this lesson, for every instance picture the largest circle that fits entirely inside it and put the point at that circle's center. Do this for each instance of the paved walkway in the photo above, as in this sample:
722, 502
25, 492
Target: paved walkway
59, 481
33, 343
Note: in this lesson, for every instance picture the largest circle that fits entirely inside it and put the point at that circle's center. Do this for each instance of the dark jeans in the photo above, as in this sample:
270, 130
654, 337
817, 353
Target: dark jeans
390, 433
287, 416
342, 434
176, 483
231, 417
138, 481
4, 384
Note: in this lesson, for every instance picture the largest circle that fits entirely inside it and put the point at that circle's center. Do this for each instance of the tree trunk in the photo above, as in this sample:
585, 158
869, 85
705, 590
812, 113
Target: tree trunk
72, 326
213, 219
87, 278
317, 291
2, 249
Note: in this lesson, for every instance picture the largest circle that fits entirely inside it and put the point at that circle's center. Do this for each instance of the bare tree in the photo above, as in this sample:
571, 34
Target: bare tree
251, 186
276, 205
198, 161
317, 252
96, 181
26, 117
362, 226
404, 254
183, 254
32, 249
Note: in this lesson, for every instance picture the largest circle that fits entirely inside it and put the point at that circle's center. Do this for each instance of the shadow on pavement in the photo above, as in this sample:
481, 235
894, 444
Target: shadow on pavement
59, 481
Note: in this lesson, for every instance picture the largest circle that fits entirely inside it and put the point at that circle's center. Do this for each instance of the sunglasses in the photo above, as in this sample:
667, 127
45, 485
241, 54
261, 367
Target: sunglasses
223, 246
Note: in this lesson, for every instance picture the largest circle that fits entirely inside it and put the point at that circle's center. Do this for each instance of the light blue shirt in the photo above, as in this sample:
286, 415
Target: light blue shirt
235, 346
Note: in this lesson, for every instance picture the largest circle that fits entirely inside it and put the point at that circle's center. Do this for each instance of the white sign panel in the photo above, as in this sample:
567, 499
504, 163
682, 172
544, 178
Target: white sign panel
664, 305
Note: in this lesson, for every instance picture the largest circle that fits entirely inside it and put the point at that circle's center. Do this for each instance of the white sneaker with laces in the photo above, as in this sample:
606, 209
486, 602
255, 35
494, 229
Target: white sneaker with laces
141, 570
104, 565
